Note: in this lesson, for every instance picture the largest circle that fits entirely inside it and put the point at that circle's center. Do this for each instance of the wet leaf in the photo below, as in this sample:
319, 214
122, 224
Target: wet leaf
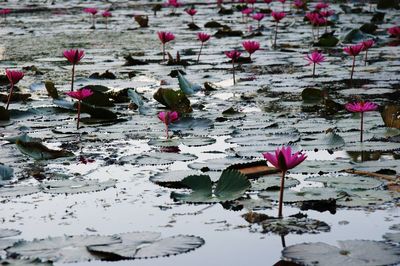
4, 114
38, 151
18, 191
75, 186
158, 158
174, 179
367, 198
135, 98
349, 252
9, 233
391, 115
302, 225
351, 182
305, 194
63, 249
272, 182
174, 100
187, 87
6, 173
51, 89
230, 186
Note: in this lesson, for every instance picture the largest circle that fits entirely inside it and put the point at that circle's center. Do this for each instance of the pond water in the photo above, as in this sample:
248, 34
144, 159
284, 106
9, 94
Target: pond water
259, 113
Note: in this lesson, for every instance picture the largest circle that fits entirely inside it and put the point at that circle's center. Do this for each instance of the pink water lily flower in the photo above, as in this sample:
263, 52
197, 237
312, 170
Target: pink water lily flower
258, 17
234, 55
353, 51
327, 13
13, 77
315, 58
203, 37
191, 12
283, 159
80, 95
277, 16
366, 45
4, 12
251, 47
394, 31
165, 37
106, 14
73, 56
173, 3
321, 5
298, 4
168, 118
93, 12
361, 107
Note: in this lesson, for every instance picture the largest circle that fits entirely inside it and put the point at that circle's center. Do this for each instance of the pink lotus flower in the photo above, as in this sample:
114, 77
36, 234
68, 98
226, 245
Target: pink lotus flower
13, 76
106, 14
203, 37
315, 58
394, 31
327, 13
4, 12
80, 95
268, 1
251, 47
361, 107
321, 5
258, 17
366, 45
353, 51
73, 56
277, 16
165, 37
167, 118
298, 4
191, 12
247, 11
252, 2
234, 55
283, 159
174, 4
93, 12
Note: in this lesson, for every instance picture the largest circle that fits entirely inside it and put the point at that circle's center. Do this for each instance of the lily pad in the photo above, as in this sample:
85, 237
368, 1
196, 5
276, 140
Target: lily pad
306, 194
351, 182
392, 237
18, 191
9, 232
158, 158
38, 151
218, 164
349, 252
295, 225
174, 100
63, 249
231, 185
372, 146
190, 124
75, 186
367, 198
272, 182
174, 179
328, 141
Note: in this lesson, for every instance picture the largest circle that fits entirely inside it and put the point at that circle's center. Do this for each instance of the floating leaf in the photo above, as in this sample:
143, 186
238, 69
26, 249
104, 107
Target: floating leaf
38, 151
327, 141
18, 191
367, 198
322, 166
350, 182
372, 146
305, 194
135, 97
356, 35
327, 41
6, 173
187, 87
174, 179
392, 237
218, 164
295, 225
75, 186
174, 100
272, 182
185, 124
63, 249
391, 115
51, 89
349, 252
158, 158
197, 141
312, 95
9, 233
231, 185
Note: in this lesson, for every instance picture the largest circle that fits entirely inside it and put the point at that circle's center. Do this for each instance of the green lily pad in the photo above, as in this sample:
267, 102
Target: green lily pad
365, 198
305, 194
157, 158
38, 151
322, 166
231, 185
185, 124
349, 252
187, 87
218, 164
351, 182
174, 100
197, 141
272, 182
146, 245
295, 225
18, 191
63, 249
75, 186
164, 142
372, 146
328, 141
174, 179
